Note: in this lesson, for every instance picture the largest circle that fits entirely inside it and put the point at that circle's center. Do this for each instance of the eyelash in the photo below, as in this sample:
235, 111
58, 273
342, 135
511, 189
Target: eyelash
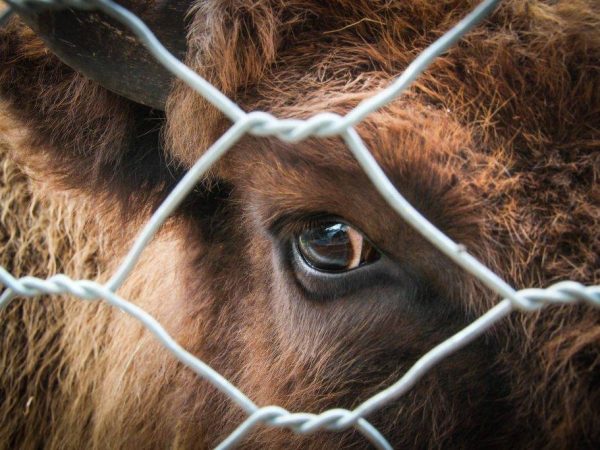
289, 226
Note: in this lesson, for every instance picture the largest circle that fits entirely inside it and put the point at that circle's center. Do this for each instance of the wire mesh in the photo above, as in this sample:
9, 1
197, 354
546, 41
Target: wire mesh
293, 130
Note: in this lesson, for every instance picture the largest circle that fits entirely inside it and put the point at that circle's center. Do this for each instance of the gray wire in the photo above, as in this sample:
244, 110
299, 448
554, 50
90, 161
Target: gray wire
293, 130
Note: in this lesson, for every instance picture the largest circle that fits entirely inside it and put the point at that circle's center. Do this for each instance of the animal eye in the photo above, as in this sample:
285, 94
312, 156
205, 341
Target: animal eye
335, 247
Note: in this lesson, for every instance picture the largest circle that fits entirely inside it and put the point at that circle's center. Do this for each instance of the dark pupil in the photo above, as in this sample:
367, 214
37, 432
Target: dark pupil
327, 247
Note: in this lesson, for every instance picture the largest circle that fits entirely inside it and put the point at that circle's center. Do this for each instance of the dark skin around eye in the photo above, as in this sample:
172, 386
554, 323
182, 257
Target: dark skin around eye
335, 247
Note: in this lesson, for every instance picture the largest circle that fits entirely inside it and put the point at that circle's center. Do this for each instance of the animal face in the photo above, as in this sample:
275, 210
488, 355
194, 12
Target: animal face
285, 270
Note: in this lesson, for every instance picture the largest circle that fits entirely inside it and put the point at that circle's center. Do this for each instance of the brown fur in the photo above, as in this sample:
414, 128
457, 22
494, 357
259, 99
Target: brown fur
497, 144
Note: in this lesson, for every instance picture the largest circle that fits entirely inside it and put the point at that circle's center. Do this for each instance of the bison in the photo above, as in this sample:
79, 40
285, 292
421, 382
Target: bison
285, 270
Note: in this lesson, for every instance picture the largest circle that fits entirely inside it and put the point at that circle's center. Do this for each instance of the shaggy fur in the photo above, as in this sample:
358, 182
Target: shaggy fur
497, 144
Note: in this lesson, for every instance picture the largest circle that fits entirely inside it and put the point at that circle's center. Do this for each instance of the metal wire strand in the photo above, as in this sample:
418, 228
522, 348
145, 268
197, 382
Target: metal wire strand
293, 130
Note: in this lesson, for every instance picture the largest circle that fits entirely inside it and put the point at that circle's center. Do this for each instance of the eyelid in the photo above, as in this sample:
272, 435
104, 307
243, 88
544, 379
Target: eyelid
290, 225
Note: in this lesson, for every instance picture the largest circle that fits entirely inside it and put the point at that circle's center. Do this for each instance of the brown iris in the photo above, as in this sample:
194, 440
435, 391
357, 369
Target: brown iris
335, 247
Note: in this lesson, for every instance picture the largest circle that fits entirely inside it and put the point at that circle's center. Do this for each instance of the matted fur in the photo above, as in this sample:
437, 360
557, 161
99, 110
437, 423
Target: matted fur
497, 144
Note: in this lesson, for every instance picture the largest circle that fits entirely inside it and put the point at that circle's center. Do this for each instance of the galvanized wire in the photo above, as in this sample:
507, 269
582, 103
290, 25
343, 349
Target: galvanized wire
292, 130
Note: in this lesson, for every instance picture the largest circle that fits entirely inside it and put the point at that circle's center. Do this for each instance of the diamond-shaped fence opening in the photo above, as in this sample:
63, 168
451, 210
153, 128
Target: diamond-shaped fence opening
292, 130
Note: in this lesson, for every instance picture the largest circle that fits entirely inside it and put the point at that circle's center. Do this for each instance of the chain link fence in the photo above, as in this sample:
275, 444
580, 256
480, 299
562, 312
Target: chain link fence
323, 124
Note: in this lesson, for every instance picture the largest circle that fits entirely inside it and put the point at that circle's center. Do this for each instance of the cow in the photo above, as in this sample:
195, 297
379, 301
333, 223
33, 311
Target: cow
285, 270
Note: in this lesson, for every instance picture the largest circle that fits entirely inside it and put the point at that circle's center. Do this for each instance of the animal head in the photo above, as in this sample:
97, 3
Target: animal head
285, 269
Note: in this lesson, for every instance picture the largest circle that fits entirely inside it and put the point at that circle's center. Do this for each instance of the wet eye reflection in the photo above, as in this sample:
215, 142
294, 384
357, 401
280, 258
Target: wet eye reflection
335, 247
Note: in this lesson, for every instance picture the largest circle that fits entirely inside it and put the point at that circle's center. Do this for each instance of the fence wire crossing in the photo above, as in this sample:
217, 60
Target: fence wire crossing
293, 130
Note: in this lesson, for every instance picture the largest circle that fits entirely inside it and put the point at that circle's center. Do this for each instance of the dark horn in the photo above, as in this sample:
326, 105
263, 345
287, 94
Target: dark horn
105, 51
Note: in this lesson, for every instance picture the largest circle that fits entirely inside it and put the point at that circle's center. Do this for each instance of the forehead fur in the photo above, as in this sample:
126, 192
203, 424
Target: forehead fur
423, 152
